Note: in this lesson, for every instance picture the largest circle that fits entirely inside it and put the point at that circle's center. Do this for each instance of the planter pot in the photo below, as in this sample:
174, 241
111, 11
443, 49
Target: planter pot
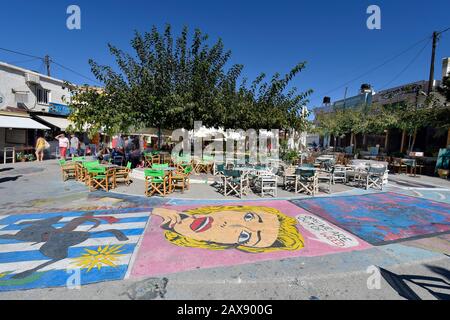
23, 160
443, 173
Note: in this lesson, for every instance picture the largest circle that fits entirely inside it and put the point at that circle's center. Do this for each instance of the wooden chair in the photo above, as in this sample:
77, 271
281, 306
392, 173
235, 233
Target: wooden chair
181, 179
236, 182
306, 181
156, 181
374, 177
148, 160
289, 177
122, 174
99, 178
68, 170
156, 159
399, 165
267, 184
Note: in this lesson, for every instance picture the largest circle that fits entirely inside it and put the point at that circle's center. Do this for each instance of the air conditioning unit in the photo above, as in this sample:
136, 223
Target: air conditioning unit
32, 78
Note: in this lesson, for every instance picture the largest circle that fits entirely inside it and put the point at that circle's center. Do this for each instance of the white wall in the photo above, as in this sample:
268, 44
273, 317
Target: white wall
13, 78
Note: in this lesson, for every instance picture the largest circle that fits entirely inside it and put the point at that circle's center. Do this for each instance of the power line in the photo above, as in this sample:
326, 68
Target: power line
21, 53
407, 66
73, 71
378, 66
22, 61
47, 60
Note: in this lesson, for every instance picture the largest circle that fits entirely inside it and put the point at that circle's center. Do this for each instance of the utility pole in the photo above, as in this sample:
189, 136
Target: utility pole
433, 56
47, 64
436, 35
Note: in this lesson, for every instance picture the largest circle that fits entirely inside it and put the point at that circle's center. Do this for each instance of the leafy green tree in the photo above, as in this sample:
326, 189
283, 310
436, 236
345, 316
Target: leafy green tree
170, 83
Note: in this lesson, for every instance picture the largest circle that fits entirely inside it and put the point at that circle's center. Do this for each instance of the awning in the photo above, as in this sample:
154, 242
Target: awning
20, 123
61, 123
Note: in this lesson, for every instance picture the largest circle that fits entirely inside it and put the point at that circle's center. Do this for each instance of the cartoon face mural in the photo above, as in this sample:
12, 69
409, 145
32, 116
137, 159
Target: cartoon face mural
253, 229
201, 235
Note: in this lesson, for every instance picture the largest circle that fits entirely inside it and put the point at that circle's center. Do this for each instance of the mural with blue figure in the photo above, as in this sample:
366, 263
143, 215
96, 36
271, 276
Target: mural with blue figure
381, 218
40, 250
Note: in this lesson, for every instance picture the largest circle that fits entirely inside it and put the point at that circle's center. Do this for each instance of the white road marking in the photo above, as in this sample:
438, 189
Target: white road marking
102, 227
17, 267
28, 246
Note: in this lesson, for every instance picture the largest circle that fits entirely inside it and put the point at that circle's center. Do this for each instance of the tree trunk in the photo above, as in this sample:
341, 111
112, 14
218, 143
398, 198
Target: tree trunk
159, 138
402, 145
409, 143
414, 140
448, 138
386, 141
364, 140
351, 140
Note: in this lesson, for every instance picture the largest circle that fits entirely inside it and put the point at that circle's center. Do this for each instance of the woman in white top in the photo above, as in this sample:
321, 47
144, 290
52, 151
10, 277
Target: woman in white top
63, 145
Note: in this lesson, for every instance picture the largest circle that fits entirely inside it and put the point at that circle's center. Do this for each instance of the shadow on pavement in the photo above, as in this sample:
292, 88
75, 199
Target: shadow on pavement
430, 284
9, 179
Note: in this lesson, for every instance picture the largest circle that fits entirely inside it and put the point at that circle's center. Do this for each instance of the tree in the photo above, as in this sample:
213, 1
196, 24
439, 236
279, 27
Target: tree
169, 84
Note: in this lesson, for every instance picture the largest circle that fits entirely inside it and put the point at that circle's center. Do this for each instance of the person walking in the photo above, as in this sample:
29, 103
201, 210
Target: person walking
40, 147
74, 145
63, 145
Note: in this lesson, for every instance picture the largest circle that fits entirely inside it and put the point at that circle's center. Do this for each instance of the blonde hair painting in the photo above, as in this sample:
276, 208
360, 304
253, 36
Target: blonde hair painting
289, 239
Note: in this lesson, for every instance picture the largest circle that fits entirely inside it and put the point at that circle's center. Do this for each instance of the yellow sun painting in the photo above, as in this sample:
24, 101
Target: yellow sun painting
103, 256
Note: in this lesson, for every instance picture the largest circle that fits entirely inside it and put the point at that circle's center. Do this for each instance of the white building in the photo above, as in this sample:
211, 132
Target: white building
29, 102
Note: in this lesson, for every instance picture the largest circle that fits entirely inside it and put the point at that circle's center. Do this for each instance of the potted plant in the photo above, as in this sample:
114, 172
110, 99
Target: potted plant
20, 156
30, 157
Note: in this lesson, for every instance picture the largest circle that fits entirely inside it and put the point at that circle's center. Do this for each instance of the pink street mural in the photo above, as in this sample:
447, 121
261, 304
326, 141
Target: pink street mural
182, 238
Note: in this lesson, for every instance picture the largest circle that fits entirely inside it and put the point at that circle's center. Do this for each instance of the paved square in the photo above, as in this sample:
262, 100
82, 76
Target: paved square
380, 218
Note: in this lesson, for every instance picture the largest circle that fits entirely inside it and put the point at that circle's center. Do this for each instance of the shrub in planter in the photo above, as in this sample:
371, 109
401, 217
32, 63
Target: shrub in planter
20, 156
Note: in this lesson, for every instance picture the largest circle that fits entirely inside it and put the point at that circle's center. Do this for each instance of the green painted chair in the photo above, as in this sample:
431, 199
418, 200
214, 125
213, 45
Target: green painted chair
156, 181
98, 178
160, 166
68, 170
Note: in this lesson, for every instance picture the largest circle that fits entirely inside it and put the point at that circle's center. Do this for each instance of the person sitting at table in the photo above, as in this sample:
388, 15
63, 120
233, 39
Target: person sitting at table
104, 154
135, 157
117, 152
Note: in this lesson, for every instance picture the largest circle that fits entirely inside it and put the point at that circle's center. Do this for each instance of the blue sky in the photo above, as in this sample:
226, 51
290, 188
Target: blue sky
264, 36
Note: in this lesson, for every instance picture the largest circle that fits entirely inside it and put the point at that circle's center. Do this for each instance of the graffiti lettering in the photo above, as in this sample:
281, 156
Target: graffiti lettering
326, 232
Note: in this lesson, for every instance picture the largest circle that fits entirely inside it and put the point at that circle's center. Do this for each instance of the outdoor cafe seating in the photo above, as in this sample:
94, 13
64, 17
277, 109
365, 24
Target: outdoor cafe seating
68, 170
162, 179
235, 182
156, 181
306, 180
94, 174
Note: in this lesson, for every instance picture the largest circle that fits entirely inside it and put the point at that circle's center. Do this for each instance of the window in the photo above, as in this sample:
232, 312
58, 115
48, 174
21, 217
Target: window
42, 95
